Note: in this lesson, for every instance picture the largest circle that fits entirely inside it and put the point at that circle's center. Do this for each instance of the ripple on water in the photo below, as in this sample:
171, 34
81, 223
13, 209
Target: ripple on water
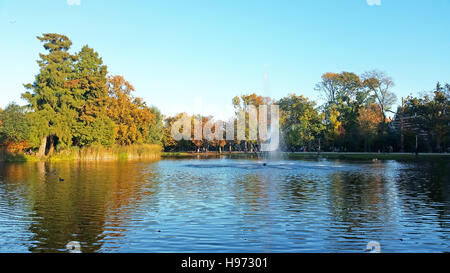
225, 206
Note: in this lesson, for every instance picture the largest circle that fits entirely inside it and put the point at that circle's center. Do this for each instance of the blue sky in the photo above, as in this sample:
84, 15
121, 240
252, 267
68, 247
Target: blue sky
196, 55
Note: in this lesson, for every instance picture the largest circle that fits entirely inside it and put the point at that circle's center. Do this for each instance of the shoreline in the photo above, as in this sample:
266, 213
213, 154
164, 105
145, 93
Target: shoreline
315, 155
139, 153
92, 154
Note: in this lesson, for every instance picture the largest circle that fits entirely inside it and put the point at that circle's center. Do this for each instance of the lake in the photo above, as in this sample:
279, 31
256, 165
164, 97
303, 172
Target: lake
225, 205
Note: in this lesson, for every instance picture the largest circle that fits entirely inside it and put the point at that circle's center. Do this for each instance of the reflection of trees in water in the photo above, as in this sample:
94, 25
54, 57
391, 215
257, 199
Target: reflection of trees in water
98, 202
251, 198
374, 199
78, 208
304, 197
359, 206
300, 191
425, 189
253, 195
360, 203
252, 190
355, 197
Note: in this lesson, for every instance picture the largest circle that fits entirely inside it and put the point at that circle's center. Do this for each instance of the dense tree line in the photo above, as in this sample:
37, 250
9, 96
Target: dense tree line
73, 101
428, 118
357, 116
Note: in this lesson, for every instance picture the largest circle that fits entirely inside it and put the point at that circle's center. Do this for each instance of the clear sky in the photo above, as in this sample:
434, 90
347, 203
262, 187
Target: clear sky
180, 54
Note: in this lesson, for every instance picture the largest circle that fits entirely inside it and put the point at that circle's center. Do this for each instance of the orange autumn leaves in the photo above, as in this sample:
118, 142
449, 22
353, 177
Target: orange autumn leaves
370, 117
130, 114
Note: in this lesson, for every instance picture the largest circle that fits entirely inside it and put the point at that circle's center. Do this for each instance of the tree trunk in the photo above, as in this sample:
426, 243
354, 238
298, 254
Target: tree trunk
382, 132
41, 152
51, 148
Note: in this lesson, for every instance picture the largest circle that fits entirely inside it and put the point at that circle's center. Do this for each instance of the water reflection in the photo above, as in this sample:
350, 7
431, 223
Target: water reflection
225, 205
77, 208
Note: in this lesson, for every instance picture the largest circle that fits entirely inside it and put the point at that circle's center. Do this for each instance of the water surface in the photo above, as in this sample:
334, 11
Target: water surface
225, 205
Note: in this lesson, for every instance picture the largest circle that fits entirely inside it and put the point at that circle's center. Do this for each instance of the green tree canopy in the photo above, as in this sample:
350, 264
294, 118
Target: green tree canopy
53, 102
156, 129
300, 121
431, 115
14, 124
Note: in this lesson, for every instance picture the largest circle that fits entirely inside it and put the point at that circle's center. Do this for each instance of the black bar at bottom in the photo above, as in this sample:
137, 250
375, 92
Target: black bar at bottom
241, 262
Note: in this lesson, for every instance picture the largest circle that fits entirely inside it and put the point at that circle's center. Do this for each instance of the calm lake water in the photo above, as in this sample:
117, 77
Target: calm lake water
225, 205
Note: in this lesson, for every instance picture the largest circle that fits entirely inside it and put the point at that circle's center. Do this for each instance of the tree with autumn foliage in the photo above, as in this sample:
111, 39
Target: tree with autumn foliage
214, 134
68, 98
130, 114
370, 118
73, 103
14, 128
242, 107
169, 142
198, 123
344, 93
334, 132
380, 85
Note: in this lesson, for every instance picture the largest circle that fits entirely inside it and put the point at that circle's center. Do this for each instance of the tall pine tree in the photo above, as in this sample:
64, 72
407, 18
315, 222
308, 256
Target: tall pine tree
94, 126
52, 101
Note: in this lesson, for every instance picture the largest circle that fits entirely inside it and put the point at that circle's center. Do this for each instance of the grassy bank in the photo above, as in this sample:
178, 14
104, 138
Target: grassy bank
371, 156
93, 153
314, 155
177, 154
150, 152
191, 154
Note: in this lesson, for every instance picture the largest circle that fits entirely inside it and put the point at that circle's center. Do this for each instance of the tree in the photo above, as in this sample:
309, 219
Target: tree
130, 114
370, 117
380, 84
329, 87
345, 94
333, 130
446, 90
156, 130
195, 125
431, 115
89, 84
169, 142
53, 103
300, 121
14, 130
242, 106
214, 133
